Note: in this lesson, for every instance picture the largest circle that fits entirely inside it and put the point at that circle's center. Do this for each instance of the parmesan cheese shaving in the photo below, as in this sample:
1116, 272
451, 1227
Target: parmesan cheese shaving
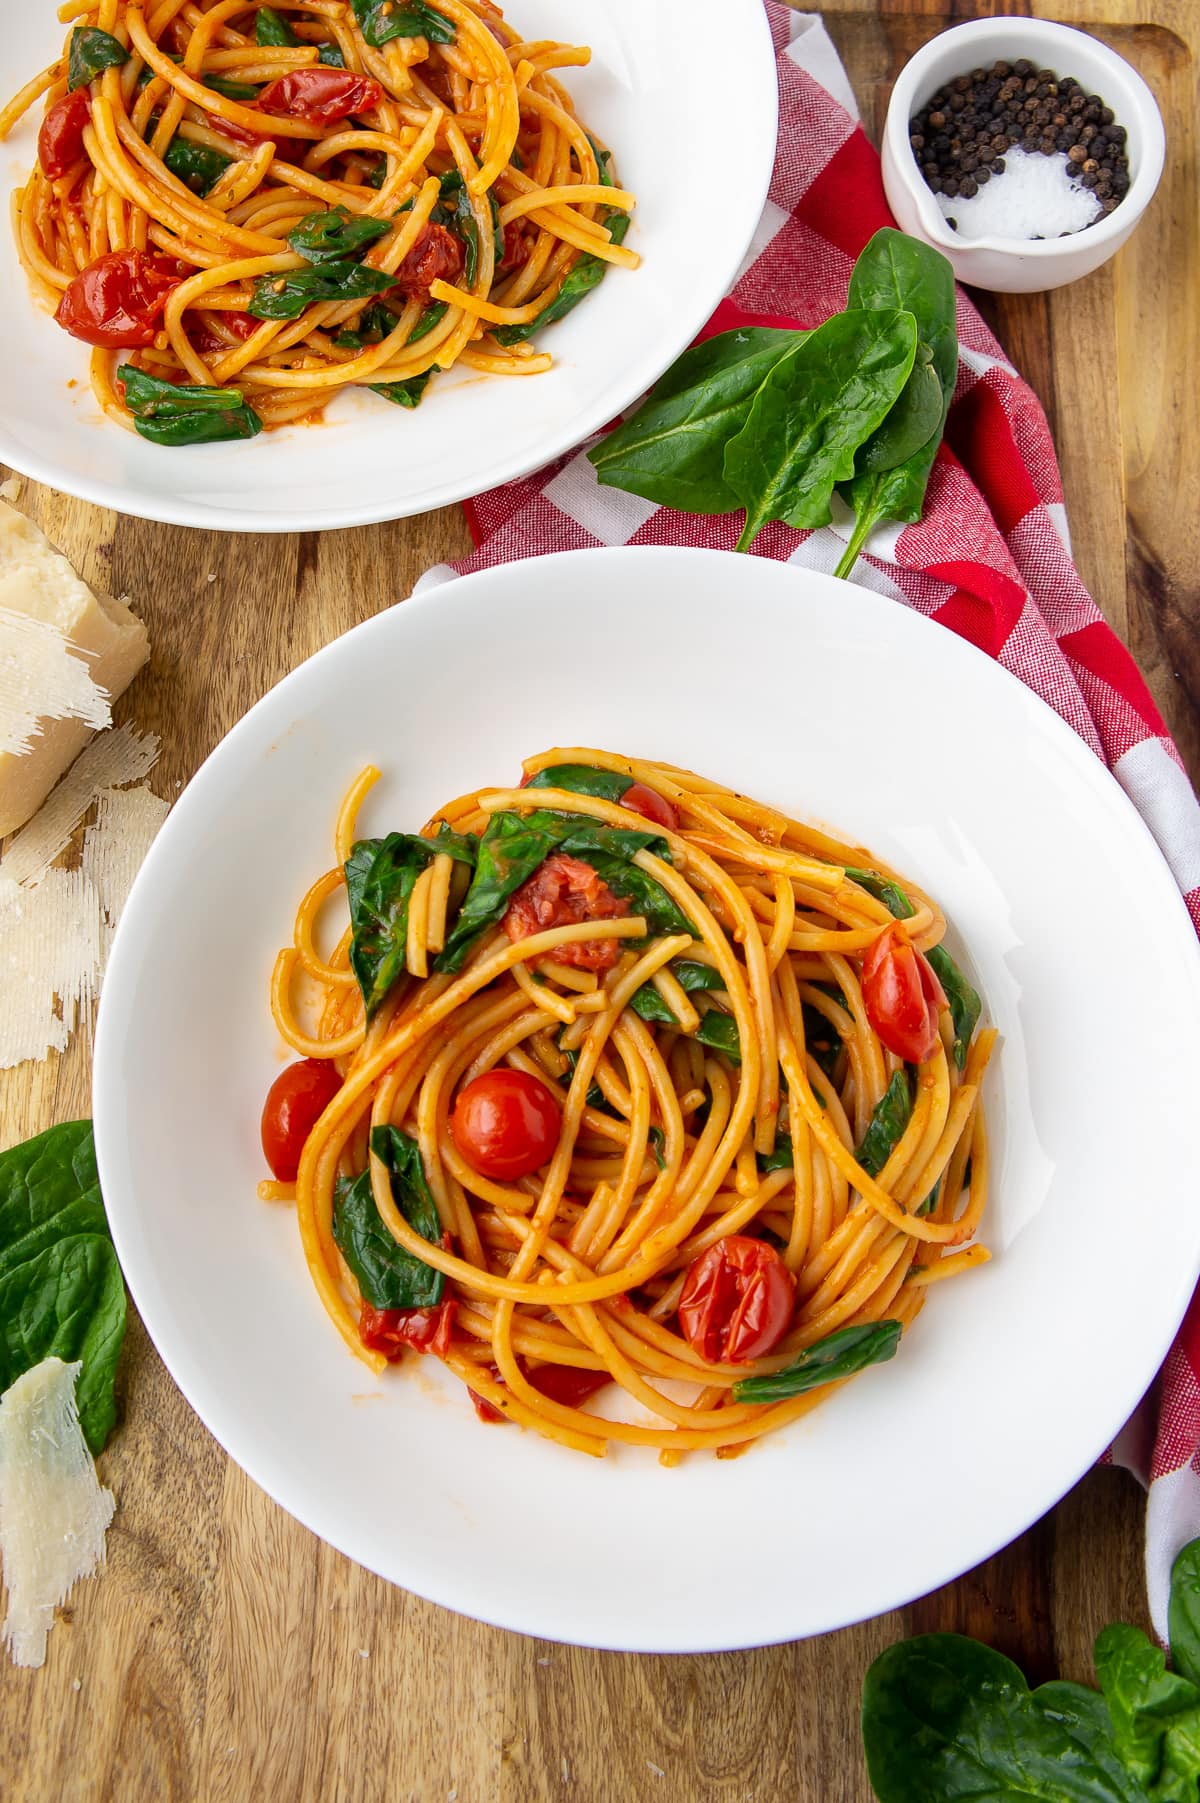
50, 956
40, 680
127, 821
54, 1513
110, 762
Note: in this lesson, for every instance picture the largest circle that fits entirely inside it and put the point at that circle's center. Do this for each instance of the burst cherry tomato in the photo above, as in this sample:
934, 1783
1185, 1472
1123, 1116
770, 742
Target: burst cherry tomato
118, 300
390, 1330
204, 339
567, 1384
295, 1103
487, 1411
60, 140
902, 996
437, 256
319, 96
518, 245
562, 891
737, 1301
505, 1123
648, 802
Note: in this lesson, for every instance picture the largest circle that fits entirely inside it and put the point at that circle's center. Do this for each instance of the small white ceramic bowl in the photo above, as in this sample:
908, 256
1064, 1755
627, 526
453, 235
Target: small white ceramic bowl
1014, 265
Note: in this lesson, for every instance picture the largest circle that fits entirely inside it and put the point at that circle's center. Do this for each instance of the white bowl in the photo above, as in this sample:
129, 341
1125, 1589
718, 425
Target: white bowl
1018, 265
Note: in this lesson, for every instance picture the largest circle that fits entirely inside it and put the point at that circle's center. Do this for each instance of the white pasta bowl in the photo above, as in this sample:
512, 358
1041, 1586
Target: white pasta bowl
1011, 265
810, 694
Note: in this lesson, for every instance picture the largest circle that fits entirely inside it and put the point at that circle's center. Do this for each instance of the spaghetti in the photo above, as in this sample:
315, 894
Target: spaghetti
268, 204
621, 1078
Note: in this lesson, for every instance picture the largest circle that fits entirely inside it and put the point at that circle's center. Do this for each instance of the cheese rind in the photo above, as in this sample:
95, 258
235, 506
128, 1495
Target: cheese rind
38, 582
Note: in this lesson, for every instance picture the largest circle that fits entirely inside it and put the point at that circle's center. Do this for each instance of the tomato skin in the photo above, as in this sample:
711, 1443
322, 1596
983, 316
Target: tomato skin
437, 256
204, 339
60, 138
651, 805
506, 1123
391, 1330
567, 1384
737, 1301
518, 247
295, 1103
562, 891
487, 1411
319, 96
118, 300
902, 996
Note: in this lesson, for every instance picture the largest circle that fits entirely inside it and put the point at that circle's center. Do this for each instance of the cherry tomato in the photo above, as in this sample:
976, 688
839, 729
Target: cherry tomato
60, 140
118, 300
561, 891
518, 246
487, 1411
204, 338
653, 806
506, 1123
737, 1301
902, 996
437, 256
567, 1384
390, 1330
295, 1103
319, 96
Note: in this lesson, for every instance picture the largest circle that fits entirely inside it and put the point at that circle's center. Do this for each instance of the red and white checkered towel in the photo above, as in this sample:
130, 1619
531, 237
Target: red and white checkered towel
990, 560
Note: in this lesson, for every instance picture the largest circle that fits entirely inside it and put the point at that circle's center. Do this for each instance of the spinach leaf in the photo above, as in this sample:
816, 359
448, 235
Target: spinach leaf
1145, 1700
427, 321
910, 424
811, 414
673, 448
270, 28
1183, 1619
68, 1301
285, 296
582, 779
91, 51
716, 1029
233, 90
403, 394
585, 275
965, 1003
168, 413
944, 1718
895, 270
49, 1189
387, 1274
779, 1158
382, 20
331, 56
374, 324
455, 210
720, 1032
595, 1095
887, 1123
198, 166
334, 235
380, 876
884, 890
839, 1355
514, 845
657, 1140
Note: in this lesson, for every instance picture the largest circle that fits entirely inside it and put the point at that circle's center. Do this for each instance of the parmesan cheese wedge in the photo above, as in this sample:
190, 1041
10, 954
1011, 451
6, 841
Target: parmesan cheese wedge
65, 656
54, 1513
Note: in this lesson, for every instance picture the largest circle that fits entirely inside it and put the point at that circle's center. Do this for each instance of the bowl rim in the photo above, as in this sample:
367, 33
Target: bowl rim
1111, 231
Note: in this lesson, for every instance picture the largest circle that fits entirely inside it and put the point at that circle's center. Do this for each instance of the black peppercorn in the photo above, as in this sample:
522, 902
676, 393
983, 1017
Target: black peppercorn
967, 187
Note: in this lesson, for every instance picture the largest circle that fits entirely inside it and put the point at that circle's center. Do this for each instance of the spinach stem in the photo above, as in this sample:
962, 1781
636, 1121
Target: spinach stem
858, 538
748, 535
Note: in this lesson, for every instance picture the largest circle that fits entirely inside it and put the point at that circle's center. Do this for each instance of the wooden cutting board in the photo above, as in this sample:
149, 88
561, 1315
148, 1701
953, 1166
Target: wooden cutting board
228, 1654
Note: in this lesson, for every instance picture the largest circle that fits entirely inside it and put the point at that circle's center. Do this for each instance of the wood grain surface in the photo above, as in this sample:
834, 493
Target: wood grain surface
227, 1654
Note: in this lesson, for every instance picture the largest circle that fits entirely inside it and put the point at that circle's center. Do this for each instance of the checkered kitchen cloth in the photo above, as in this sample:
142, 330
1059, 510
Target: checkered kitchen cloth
990, 560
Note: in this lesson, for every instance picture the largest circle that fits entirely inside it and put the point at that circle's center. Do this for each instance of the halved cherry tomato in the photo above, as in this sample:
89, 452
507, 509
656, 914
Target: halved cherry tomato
390, 1330
437, 256
737, 1301
60, 139
487, 1411
505, 1123
567, 1384
204, 339
561, 891
653, 806
319, 96
902, 996
295, 1103
118, 300
518, 246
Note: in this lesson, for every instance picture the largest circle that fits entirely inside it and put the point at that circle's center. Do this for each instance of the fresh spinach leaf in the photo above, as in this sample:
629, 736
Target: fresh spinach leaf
911, 423
720, 1032
585, 275
455, 210
331, 56
645, 896
887, 1123
382, 20
67, 1301
965, 1003
895, 270
335, 235
884, 890
388, 1275
92, 51
672, 450
403, 394
695, 977
169, 413
427, 321
582, 779
780, 1157
374, 324
811, 414
1144, 1699
49, 1190
380, 877
595, 1095
270, 28
286, 295
840, 1354
197, 166
1183, 1620
232, 90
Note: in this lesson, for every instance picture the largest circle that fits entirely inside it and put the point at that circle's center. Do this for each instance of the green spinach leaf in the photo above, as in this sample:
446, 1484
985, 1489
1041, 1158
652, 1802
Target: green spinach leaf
884, 890
811, 414
331, 56
911, 423
92, 51
965, 1003
887, 1124
234, 90
49, 1189
1144, 1699
285, 296
382, 20
335, 235
403, 394
197, 166
380, 877
388, 1275
270, 28
169, 413
1183, 1620
585, 275
582, 779
840, 1354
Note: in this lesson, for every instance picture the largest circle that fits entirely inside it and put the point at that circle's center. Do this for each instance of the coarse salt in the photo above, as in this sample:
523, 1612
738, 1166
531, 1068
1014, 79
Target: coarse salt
1033, 197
